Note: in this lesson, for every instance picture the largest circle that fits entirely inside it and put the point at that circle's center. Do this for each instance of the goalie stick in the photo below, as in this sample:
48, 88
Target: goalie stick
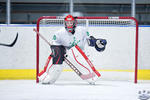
81, 75
12, 44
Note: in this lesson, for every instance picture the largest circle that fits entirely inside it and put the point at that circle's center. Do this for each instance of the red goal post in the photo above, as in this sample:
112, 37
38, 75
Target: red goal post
109, 20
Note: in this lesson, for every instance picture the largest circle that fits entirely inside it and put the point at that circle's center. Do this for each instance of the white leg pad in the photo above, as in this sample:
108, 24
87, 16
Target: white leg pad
49, 77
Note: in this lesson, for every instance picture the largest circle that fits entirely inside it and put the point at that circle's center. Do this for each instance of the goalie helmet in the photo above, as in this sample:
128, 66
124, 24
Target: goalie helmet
70, 24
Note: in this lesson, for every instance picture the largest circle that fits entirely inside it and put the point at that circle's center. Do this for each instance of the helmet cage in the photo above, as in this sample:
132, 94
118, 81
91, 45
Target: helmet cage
70, 23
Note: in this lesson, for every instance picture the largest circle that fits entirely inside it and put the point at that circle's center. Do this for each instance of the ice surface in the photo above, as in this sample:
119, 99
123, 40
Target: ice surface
71, 90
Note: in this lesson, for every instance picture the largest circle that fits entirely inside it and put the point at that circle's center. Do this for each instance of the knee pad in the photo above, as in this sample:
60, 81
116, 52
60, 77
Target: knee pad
58, 52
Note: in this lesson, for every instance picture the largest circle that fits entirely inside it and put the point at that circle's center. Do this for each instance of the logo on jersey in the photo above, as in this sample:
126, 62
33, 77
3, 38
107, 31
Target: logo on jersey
54, 37
75, 42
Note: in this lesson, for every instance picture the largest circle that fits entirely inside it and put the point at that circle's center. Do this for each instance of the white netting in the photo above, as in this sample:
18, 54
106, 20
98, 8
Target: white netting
90, 22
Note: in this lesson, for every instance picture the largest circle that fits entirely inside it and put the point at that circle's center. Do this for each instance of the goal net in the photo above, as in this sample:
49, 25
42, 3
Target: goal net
118, 62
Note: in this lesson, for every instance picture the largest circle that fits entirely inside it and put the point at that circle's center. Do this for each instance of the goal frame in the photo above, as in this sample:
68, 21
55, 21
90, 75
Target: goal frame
86, 17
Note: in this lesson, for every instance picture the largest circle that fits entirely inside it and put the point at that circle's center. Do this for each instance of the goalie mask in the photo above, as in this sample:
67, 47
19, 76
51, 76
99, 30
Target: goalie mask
70, 24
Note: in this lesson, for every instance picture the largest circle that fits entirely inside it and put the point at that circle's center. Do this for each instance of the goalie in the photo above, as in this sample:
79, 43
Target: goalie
66, 38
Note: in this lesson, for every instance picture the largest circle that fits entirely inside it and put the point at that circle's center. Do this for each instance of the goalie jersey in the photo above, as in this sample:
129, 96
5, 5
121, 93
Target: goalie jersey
62, 37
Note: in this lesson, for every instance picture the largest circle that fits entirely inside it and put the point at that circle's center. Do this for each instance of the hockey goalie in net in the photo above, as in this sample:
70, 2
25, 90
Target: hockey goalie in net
71, 41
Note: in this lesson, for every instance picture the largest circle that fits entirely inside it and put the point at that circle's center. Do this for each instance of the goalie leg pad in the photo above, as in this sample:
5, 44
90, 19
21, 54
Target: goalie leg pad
58, 53
52, 75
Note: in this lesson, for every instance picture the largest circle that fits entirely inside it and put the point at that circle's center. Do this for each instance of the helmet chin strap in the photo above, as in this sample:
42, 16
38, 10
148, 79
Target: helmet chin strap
70, 31
73, 31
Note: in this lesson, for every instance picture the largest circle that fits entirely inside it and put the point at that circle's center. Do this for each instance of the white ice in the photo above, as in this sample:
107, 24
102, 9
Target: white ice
69, 90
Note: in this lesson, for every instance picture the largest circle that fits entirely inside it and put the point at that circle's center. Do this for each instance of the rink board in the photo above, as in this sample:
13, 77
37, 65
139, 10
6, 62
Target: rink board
30, 74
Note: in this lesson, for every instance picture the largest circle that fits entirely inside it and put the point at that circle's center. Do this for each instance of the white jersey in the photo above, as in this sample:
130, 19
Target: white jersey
63, 37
